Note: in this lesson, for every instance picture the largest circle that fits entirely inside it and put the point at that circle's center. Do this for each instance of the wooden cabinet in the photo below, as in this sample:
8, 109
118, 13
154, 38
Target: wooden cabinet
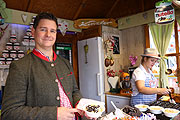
119, 101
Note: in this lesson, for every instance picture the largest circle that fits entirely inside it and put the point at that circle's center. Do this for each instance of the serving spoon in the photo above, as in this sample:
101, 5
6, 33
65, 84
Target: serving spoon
171, 99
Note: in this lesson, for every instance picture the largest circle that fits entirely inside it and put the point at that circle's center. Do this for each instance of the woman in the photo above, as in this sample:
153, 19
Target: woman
143, 82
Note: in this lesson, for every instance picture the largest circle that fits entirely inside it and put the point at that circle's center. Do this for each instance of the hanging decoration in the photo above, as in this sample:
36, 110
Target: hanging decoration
2, 9
62, 26
164, 12
109, 44
1, 20
86, 51
86, 23
24, 17
2, 30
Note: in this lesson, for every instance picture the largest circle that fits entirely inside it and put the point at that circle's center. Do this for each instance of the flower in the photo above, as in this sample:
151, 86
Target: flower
133, 59
112, 73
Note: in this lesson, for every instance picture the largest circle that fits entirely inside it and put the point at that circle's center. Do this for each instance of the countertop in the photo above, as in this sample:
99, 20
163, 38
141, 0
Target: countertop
119, 94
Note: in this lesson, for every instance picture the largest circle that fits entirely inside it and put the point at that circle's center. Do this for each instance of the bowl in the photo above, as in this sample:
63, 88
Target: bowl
169, 112
142, 107
156, 109
94, 110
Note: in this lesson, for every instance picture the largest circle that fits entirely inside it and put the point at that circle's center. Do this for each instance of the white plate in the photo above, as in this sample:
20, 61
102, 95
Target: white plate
83, 103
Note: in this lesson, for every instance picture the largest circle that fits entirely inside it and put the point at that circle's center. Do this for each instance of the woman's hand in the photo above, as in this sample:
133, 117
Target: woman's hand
163, 91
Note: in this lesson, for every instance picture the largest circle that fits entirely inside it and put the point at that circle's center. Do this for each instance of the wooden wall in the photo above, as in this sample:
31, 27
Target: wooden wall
132, 42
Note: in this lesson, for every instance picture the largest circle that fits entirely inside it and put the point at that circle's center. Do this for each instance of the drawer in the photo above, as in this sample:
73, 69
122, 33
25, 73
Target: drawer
119, 101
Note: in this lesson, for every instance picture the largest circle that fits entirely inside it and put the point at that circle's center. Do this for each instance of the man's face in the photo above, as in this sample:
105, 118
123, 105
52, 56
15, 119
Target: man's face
45, 34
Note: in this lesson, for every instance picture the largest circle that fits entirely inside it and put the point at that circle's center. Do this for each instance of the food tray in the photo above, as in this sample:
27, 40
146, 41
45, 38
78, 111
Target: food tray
165, 104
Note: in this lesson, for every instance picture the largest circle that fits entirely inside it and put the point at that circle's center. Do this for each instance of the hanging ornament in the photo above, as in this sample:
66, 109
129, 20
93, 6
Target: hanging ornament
2, 30
62, 26
24, 17
86, 51
164, 12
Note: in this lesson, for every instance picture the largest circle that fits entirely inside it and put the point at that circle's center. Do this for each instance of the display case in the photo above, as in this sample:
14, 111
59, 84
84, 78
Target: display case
64, 50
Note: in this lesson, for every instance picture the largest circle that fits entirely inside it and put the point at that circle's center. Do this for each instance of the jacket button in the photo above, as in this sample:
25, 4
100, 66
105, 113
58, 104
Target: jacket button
52, 65
56, 80
57, 98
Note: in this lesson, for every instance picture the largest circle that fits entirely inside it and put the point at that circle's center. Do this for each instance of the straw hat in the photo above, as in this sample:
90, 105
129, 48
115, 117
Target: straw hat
150, 52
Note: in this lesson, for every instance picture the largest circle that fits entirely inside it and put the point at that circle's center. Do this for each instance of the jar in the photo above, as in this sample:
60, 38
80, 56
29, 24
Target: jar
13, 54
9, 60
5, 53
13, 39
9, 46
16, 46
31, 25
33, 18
16, 59
2, 61
28, 32
32, 39
164, 13
20, 54
26, 38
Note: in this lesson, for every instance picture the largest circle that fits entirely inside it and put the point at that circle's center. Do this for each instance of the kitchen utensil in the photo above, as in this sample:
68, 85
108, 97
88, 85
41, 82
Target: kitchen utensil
118, 112
114, 105
171, 99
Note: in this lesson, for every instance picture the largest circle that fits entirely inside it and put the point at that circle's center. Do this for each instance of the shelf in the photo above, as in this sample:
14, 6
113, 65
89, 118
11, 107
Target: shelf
4, 66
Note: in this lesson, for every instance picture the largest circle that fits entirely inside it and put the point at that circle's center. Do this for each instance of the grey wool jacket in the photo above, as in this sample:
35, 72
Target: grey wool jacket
31, 90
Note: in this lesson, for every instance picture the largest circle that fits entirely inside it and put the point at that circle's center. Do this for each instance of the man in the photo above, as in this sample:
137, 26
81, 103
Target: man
41, 86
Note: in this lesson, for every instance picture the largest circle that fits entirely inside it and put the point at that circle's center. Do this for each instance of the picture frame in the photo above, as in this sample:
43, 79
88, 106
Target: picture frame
116, 47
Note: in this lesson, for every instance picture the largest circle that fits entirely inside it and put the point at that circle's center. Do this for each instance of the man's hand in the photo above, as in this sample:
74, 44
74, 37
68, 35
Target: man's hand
66, 113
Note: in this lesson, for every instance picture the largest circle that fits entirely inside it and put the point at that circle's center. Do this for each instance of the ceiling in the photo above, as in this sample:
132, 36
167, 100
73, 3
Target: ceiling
77, 9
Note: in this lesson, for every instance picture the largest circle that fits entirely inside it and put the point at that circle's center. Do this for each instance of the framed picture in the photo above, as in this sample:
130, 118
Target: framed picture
116, 49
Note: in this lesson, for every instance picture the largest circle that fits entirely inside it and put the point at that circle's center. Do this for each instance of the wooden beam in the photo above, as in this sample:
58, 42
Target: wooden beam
28, 3
15, 16
146, 31
177, 48
79, 9
114, 5
142, 4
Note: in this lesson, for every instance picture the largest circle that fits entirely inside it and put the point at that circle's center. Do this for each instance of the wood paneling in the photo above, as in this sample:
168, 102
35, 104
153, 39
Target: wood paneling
77, 9
133, 40
94, 31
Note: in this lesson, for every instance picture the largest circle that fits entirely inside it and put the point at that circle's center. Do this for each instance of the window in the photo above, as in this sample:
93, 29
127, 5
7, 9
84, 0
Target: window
172, 54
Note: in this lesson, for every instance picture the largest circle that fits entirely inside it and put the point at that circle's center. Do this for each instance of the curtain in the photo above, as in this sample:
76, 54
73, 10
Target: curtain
161, 35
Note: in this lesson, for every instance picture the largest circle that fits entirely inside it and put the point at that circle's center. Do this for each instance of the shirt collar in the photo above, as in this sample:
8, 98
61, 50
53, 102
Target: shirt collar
41, 55
142, 68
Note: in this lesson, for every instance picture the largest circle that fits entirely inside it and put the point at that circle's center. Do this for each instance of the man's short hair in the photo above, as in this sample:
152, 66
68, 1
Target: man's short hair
44, 15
